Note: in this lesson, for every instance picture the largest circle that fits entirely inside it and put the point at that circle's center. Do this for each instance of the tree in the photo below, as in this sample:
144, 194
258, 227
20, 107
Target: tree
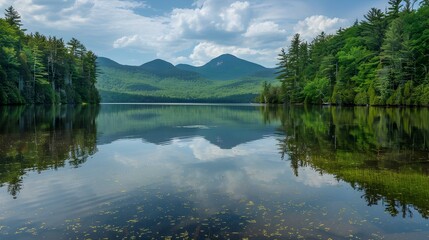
12, 17
317, 91
409, 5
295, 64
394, 8
424, 3
34, 68
395, 56
381, 60
374, 28
282, 75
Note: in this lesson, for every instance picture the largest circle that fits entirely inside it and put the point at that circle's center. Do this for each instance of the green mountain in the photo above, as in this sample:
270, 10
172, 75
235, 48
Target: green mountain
227, 67
225, 79
165, 69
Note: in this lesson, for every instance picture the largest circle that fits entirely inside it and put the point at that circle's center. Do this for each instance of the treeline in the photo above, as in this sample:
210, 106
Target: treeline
382, 60
35, 69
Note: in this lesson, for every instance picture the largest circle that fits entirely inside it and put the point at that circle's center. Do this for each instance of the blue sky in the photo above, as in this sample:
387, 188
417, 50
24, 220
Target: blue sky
188, 31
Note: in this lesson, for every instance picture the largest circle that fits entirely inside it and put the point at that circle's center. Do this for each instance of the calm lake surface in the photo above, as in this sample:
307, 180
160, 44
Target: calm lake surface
213, 172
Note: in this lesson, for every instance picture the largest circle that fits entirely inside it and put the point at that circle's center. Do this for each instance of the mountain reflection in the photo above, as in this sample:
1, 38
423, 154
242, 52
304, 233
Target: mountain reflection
222, 125
380, 152
35, 139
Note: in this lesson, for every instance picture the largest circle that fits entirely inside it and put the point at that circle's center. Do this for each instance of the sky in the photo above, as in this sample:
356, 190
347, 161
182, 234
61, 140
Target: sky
133, 32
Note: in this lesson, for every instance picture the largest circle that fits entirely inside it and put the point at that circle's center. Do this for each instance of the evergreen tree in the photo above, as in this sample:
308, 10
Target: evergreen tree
37, 69
394, 8
374, 28
12, 17
382, 60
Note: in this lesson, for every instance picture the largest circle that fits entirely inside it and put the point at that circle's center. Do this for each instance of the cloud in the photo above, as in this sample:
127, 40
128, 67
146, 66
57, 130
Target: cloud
126, 41
210, 19
206, 51
265, 35
132, 29
234, 17
312, 26
259, 29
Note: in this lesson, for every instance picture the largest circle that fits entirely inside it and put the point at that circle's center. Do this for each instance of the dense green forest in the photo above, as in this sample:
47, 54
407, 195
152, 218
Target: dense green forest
382, 60
35, 69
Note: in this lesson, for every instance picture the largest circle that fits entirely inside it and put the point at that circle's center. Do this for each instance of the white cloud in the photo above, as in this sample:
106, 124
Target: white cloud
263, 29
210, 17
126, 41
234, 17
250, 29
206, 51
314, 25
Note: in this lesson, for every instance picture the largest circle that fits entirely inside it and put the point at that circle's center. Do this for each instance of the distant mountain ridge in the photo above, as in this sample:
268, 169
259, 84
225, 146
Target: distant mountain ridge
223, 79
165, 69
224, 67
227, 67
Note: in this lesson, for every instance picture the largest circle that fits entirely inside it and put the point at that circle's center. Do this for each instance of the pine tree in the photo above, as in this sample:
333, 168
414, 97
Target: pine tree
374, 28
12, 17
394, 8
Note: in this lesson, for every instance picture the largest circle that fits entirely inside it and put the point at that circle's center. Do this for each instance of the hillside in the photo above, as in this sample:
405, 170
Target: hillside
223, 79
227, 67
165, 69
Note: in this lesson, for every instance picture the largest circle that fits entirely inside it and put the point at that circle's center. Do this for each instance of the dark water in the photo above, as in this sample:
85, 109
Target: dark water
213, 172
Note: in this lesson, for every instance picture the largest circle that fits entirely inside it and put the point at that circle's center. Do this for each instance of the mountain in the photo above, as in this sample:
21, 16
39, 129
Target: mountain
228, 67
165, 69
226, 79
217, 124
158, 67
106, 62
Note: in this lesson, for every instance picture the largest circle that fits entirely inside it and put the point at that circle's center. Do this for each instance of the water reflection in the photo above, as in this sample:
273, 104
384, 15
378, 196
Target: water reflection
380, 152
202, 172
35, 139
223, 126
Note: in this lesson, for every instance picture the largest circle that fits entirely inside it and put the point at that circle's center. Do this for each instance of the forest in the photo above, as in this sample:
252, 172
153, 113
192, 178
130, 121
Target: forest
382, 60
35, 69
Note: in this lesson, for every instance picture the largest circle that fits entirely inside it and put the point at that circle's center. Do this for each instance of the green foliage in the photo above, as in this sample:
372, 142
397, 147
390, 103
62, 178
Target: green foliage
382, 60
343, 95
361, 98
12, 17
292, 65
316, 91
35, 69
118, 83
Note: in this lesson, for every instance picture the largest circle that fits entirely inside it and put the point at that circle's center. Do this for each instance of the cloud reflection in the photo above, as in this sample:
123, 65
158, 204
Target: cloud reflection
197, 164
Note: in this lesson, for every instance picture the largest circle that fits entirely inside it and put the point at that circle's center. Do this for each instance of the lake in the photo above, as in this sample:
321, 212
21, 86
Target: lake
213, 172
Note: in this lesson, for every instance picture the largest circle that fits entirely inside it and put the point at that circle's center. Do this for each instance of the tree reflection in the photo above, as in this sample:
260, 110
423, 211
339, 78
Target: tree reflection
380, 152
42, 138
